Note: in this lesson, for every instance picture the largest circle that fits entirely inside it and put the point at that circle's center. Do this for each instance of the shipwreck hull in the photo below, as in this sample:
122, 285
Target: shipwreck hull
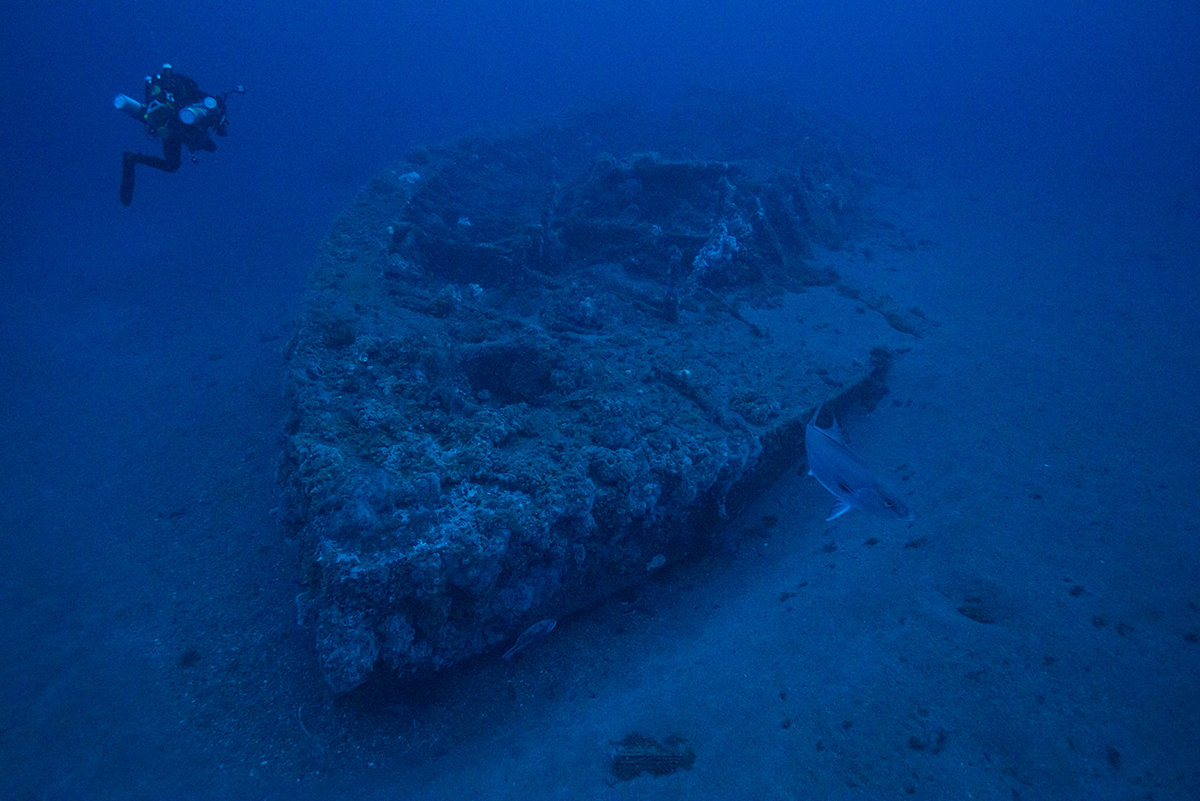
528, 367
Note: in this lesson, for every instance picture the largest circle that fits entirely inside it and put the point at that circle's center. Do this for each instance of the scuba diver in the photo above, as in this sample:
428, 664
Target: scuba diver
176, 111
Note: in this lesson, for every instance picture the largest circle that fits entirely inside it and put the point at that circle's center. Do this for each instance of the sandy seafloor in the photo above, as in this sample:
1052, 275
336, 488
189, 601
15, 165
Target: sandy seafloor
1045, 430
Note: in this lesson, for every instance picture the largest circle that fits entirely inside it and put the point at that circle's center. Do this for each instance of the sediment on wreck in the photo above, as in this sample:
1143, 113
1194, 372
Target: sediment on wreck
532, 362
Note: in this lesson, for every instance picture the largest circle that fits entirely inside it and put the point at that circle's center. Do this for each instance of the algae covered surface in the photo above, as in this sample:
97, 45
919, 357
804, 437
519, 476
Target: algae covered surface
533, 361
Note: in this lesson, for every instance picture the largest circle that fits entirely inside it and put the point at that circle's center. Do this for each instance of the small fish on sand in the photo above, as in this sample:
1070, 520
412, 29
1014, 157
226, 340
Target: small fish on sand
839, 470
531, 635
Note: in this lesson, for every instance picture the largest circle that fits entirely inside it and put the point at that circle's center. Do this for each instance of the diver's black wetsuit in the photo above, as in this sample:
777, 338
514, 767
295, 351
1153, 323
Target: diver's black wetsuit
166, 95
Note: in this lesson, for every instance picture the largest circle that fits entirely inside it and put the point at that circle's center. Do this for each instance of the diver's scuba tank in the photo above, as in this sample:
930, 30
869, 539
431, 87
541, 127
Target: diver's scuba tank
129, 106
197, 112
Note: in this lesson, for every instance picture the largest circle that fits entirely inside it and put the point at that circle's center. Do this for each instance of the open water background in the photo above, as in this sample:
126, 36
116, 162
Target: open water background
1051, 151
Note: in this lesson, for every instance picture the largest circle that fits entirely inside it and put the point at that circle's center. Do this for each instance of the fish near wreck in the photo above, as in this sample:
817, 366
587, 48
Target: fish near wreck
839, 470
531, 635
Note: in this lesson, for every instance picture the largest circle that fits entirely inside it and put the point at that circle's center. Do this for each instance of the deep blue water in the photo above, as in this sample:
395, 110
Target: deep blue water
140, 363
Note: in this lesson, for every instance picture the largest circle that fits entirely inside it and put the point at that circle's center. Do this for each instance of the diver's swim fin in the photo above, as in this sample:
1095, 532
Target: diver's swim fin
128, 162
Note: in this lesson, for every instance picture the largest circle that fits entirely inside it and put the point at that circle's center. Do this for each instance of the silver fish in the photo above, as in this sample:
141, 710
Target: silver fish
531, 635
841, 472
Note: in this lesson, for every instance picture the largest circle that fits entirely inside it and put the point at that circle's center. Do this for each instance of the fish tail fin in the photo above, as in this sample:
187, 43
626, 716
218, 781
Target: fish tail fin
838, 510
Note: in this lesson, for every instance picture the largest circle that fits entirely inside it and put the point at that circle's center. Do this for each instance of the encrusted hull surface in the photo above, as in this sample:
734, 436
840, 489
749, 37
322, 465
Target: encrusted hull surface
531, 363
